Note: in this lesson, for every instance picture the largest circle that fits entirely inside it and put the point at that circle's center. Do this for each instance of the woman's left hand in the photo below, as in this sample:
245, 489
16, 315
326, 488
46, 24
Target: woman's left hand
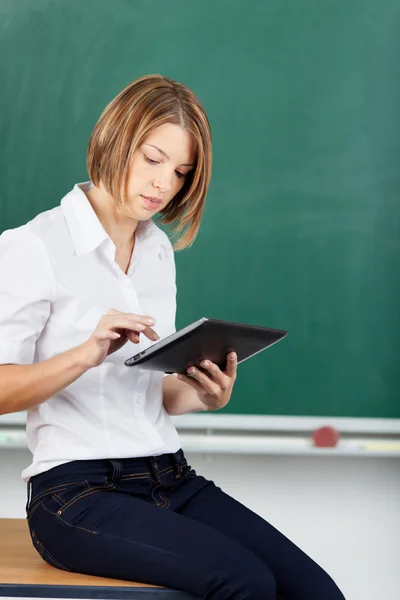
214, 389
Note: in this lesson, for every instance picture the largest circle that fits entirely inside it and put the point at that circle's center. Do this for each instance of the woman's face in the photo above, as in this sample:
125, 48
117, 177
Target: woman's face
158, 170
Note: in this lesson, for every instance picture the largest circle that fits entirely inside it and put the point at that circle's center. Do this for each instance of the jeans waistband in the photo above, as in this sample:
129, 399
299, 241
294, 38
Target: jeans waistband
111, 469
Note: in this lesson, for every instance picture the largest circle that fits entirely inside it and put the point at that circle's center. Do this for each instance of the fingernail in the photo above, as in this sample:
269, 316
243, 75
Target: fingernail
232, 356
151, 321
191, 371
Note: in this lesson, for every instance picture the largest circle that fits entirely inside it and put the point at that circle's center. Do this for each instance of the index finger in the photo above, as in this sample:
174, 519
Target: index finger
151, 334
131, 322
144, 319
147, 331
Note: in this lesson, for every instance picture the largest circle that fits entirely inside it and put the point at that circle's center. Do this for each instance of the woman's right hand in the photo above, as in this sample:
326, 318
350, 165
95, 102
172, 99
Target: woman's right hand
113, 331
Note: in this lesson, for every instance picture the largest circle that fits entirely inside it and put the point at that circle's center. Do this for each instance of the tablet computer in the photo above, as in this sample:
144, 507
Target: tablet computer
205, 339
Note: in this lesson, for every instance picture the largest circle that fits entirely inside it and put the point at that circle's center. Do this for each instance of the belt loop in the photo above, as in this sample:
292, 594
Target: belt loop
117, 472
178, 462
154, 467
29, 495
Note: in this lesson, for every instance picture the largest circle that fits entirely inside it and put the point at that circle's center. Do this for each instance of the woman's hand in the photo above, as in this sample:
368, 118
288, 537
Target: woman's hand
215, 388
113, 331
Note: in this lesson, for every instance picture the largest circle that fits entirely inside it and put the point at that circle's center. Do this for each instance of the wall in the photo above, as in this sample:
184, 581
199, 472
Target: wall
344, 512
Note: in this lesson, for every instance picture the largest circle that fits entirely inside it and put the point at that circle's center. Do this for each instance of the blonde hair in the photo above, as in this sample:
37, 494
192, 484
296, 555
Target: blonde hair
142, 105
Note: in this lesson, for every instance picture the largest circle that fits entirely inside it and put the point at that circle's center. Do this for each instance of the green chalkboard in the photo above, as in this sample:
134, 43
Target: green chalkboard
302, 224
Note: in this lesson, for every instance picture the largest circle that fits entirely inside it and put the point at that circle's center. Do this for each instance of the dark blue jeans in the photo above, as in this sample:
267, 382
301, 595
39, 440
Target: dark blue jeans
154, 520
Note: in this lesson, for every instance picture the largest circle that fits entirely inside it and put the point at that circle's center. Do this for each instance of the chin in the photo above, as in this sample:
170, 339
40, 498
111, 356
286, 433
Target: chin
139, 214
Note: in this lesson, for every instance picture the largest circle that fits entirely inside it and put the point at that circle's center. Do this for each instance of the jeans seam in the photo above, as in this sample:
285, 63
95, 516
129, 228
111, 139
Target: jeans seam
31, 512
130, 478
36, 543
136, 474
59, 500
81, 496
165, 471
45, 553
167, 501
115, 537
56, 562
59, 488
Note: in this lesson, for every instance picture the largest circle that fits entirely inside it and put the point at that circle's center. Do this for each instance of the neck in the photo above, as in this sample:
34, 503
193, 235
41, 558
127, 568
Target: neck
120, 228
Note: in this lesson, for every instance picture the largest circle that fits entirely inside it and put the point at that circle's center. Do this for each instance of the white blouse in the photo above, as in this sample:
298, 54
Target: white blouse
58, 276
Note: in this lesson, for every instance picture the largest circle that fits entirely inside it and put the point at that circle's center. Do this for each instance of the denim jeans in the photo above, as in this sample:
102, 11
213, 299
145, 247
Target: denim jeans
154, 520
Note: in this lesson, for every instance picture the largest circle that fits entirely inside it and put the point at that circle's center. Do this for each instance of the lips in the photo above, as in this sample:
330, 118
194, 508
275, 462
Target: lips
151, 203
152, 199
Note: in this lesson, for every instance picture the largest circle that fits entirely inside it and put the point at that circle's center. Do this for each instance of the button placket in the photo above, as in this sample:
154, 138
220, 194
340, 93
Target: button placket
132, 299
138, 404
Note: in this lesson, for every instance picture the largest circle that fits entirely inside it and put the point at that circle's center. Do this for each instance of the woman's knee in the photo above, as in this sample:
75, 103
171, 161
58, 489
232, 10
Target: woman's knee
331, 590
325, 587
321, 585
243, 586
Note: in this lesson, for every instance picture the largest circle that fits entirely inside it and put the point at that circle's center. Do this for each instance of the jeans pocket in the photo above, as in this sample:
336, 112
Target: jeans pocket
45, 554
61, 502
60, 494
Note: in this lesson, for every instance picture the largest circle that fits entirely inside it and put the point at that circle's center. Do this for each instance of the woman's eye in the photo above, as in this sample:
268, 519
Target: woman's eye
151, 161
156, 162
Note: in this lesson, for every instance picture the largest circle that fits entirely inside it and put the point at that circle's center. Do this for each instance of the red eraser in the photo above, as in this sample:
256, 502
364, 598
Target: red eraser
326, 437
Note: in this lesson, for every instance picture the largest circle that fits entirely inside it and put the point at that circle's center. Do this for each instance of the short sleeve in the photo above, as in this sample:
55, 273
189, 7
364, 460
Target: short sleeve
26, 291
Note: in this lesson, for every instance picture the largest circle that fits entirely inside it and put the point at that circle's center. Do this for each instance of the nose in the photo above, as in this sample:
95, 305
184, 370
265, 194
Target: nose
162, 186
163, 183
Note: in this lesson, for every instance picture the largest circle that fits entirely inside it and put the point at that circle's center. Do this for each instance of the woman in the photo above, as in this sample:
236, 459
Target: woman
109, 490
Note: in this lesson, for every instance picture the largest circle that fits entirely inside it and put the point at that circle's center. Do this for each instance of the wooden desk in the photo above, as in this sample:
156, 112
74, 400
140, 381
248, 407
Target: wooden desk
23, 573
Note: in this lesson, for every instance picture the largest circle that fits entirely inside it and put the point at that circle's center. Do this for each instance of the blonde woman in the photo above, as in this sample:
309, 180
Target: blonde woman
110, 492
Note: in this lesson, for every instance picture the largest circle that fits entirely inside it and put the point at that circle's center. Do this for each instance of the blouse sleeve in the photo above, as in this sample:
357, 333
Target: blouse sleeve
26, 292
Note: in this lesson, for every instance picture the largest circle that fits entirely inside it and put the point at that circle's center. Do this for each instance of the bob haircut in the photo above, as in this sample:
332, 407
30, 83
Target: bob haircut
142, 105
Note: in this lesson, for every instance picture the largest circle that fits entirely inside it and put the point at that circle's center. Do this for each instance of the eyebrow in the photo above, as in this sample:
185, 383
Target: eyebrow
167, 157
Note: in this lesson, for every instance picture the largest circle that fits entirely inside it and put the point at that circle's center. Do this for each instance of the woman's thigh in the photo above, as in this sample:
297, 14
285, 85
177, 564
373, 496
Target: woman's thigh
297, 576
116, 535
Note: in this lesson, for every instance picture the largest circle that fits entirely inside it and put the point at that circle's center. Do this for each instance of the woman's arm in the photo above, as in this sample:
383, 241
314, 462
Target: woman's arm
180, 398
25, 386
